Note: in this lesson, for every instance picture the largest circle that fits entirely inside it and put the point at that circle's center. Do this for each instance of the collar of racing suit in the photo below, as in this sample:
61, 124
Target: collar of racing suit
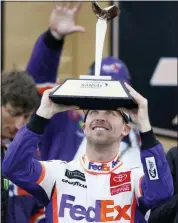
95, 167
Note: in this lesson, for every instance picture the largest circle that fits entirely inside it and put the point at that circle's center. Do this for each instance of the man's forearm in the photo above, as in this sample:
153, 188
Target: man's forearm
44, 60
157, 184
20, 167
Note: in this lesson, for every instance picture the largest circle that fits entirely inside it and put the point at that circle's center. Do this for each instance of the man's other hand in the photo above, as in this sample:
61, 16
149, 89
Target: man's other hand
62, 19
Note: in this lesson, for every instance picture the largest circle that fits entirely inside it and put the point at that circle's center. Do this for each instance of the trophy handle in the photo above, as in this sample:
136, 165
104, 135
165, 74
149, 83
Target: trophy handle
107, 13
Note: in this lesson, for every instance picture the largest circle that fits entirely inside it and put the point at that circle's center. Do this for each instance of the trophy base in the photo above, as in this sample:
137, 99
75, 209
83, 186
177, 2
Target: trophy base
93, 94
94, 103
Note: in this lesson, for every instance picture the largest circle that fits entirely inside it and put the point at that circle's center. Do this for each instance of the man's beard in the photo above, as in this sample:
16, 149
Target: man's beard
100, 145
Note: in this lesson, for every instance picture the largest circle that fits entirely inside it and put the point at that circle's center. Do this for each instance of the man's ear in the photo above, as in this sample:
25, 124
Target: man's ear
83, 126
126, 130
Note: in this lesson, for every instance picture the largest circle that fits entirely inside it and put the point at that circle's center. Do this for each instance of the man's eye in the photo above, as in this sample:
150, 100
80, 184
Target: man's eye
12, 113
110, 113
27, 116
93, 112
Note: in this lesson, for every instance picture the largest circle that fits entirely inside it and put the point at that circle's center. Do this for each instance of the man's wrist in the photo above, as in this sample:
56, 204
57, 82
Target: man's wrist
144, 127
44, 113
37, 124
56, 35
148, 140
52, 42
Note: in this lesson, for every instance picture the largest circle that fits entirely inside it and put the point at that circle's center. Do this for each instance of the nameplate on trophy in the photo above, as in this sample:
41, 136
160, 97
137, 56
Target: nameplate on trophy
93, 94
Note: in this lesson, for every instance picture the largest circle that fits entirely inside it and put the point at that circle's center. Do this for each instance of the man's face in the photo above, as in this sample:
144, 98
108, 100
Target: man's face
12, 120
105, 127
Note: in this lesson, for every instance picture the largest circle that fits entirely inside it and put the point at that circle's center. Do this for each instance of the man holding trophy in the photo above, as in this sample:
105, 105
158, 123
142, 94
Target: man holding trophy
97, 187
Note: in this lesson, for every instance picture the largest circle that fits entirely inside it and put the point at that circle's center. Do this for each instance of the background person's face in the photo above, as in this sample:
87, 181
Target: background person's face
12, 120
104, 127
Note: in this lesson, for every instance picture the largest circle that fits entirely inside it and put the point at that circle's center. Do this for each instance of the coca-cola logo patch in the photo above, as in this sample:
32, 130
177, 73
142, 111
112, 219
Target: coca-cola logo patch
120, 189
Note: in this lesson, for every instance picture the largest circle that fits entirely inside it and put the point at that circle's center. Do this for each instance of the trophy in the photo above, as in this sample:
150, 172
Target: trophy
95, 92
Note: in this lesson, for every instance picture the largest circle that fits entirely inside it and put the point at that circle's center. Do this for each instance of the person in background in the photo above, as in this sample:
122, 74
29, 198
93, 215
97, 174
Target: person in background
19, 99
168, 211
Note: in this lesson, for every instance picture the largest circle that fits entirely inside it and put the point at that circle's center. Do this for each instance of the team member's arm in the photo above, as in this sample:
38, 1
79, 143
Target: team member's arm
166, 212
45, 57
19, 166
156, 185
172, 158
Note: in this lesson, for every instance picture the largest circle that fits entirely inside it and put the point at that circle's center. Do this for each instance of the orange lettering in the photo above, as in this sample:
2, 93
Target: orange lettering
122, 212
105, 210
105, 167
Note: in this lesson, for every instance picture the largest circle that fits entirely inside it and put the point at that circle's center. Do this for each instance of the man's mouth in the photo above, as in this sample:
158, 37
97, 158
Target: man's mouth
100, 128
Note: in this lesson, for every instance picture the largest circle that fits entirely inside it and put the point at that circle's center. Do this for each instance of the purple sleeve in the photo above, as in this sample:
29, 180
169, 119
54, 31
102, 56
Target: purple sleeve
44, 61
24, 208
157, 183
20, 167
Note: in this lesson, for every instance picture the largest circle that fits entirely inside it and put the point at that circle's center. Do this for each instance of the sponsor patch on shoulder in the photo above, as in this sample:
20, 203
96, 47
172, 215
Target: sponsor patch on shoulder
152, 168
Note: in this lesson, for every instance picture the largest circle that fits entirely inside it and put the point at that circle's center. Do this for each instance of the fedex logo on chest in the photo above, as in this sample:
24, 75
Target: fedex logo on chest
102, 211
102, 167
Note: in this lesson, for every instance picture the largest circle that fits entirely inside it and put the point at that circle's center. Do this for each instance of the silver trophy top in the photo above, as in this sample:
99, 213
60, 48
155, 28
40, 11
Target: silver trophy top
107, 13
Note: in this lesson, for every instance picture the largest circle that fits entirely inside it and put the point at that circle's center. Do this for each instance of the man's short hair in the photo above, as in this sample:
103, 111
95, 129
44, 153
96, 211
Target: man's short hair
19, 90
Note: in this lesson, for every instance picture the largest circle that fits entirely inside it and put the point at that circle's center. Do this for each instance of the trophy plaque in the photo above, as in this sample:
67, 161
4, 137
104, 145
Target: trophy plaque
95, 92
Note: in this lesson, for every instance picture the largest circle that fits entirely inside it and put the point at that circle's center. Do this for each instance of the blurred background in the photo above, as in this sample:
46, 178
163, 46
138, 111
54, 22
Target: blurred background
145, 37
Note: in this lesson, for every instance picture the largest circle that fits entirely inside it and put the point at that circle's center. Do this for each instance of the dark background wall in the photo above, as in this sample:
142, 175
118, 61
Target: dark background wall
148, 31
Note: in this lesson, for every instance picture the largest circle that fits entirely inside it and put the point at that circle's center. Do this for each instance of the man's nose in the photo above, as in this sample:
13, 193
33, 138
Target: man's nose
102, 114
101, 117
20, 121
